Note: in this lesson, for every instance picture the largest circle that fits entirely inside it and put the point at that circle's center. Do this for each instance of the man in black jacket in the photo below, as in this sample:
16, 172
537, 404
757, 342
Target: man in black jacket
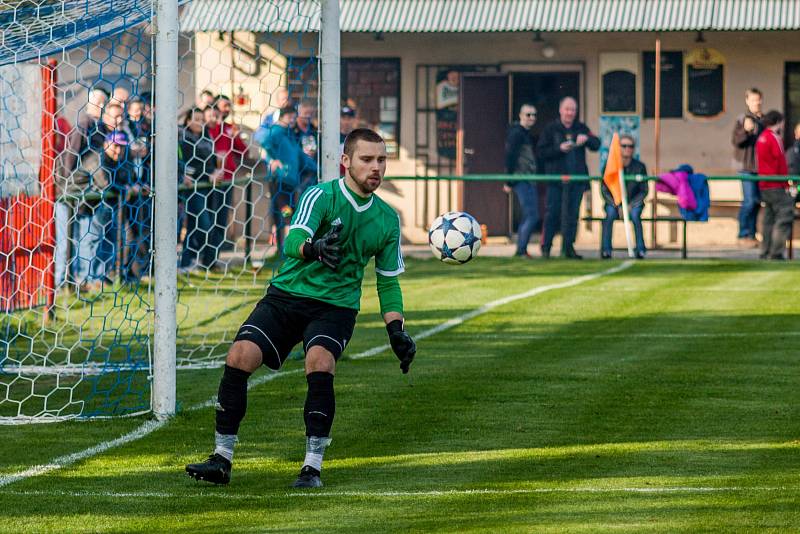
636, 191
520, 159
562, 146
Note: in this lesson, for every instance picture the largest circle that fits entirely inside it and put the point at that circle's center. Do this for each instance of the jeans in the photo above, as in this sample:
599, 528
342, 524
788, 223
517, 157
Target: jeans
555, 219
220, 202
96, 240
612, 214
528, 197
198, 225
138, 213
61, 253
748, 212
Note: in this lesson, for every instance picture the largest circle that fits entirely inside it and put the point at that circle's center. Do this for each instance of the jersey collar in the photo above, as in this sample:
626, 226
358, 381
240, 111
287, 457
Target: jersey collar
351, 200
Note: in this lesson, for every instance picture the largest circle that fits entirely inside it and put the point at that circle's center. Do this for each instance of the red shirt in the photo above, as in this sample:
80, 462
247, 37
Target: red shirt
228, 146
771, 159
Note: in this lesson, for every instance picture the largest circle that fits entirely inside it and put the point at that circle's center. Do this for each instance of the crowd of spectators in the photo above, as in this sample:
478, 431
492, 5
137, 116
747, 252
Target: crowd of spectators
104, 206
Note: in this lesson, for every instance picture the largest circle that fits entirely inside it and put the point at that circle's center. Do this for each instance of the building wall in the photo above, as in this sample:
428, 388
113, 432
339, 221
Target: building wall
751, 59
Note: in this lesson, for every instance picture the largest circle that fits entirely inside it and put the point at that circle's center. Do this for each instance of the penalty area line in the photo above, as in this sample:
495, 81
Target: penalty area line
153, 425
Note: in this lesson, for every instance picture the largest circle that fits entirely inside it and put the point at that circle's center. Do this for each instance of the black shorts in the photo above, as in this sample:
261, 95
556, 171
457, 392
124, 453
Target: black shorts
280, 321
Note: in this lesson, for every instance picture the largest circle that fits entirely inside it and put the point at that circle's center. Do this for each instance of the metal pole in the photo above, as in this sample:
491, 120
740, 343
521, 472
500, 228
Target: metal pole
330, 90
657, 121
165, 204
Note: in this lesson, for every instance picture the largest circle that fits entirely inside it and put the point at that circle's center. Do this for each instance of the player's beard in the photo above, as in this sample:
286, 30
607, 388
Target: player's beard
370, 183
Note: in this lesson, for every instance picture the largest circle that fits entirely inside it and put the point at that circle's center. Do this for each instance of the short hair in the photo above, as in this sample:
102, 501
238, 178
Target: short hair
286, 110
308, 103
360, 134
101, 90
565, 98
220, 98
187, 117
136, 99
527, 104
754, 91
207, 92
772, 117
627, 136
111, 105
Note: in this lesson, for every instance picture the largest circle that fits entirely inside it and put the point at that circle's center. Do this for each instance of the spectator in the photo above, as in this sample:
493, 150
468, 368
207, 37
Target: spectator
746, 131
308, 137
108, 175
86, 136
520, 159
230, 149
778, 203
636, 192
562, 147
347, 123
206, 99
278, 100
793, 156
290, 163
120, 96
139, 129
61, 207
200, 166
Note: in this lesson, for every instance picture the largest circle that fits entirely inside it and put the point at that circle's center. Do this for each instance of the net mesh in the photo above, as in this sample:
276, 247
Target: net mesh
76, 217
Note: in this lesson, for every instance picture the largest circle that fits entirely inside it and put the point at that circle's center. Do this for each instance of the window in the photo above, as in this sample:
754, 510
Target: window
705, 82
618, 76
372, 85
671, 84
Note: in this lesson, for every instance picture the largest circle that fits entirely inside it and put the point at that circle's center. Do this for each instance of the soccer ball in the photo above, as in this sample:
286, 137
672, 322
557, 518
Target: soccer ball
455, 237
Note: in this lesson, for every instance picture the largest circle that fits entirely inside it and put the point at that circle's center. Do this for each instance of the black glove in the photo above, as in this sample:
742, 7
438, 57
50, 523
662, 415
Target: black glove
325, 248
403, 346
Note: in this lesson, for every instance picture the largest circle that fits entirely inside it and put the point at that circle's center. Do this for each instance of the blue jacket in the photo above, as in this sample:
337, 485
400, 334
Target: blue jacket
699, 185
282, 144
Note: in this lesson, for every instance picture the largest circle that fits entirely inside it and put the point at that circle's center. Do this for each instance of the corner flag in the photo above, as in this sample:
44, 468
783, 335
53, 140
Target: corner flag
613, 168
614, 178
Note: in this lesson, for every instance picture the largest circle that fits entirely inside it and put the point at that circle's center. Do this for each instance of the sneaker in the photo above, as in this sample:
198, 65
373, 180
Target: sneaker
571, 254
605, 255
524, 256
217, 470
308, 478
640, 255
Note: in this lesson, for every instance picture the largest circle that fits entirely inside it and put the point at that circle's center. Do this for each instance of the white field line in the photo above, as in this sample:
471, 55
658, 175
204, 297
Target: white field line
391, 494
150, 426
456, 321
143, 430
635, 335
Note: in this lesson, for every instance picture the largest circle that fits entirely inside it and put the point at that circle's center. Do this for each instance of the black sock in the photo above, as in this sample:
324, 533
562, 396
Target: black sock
320, 404
231, 400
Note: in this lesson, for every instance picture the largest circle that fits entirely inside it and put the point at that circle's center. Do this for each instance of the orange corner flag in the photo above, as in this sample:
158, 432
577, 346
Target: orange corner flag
613, 168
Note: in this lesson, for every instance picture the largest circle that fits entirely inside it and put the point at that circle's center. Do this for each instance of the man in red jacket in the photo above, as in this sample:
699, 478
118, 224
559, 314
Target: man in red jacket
779, 213
230, 150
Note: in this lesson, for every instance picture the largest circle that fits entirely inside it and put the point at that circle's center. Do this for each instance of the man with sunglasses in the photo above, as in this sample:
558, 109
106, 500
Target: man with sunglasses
520, 159
636, 191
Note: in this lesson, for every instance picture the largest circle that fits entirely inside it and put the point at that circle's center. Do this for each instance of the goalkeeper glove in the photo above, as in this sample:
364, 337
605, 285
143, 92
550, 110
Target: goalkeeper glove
324, 249
403, 346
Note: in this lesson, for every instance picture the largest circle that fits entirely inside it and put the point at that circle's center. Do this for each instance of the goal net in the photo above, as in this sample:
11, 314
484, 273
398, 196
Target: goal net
77, 118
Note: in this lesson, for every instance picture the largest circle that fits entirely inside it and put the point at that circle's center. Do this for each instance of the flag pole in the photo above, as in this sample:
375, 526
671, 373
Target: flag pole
625, 217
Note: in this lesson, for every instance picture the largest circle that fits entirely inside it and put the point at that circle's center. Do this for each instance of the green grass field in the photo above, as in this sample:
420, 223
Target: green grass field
663, 397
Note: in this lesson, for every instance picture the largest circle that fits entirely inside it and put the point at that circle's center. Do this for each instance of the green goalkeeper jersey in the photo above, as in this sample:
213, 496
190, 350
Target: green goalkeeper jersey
370, 227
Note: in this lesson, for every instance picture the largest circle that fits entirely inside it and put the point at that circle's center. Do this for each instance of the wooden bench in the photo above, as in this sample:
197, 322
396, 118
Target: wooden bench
660, 218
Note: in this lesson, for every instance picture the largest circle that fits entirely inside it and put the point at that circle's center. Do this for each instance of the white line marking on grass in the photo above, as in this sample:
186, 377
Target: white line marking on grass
141, 431
390, 494
645, 335
489, 306
150, 426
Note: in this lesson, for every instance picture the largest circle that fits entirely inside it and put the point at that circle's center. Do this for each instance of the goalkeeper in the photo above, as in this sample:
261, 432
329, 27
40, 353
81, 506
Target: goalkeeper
314, 298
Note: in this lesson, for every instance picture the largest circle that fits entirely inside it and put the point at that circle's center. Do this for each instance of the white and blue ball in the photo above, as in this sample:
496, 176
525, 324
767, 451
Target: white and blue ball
455, 237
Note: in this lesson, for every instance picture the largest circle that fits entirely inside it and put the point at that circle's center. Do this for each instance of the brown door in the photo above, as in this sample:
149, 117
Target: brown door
483, 121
